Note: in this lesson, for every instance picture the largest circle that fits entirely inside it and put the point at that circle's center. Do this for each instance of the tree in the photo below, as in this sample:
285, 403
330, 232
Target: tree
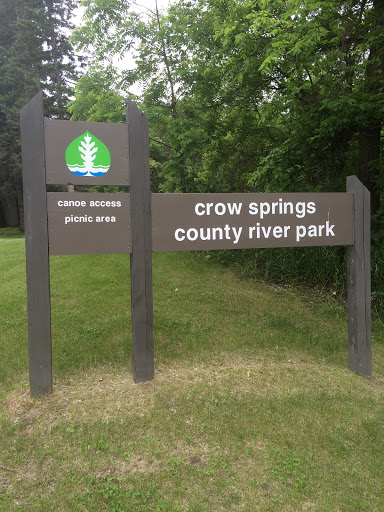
162, 65
97, 97
60, 61
34, 54
324, 63
20, 45
263, 95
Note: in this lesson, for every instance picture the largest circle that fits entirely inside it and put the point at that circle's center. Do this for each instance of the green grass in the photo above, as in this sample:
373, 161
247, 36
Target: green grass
252, 407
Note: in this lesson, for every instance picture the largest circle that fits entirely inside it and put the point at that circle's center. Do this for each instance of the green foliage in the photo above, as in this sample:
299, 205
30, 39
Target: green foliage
257, 95
34, 54
263, 95
97, 98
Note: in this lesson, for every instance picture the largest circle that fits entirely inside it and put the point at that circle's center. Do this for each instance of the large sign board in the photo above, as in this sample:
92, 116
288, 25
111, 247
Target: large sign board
91, 223
187, 222
60, 223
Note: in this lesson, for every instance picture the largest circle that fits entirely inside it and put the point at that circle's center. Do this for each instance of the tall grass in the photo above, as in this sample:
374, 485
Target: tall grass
320, 268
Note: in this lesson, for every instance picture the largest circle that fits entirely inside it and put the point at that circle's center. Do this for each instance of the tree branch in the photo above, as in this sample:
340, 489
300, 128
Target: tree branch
160, 142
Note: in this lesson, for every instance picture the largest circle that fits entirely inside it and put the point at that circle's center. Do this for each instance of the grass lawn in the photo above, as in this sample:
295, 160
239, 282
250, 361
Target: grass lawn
252, 407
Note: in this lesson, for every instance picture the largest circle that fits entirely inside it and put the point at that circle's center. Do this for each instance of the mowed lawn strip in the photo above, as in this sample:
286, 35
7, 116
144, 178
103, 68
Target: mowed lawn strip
252, 407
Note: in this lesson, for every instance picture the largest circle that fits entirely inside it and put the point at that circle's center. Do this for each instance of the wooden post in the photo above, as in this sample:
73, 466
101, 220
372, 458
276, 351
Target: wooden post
359, 283
141, 235
36, 247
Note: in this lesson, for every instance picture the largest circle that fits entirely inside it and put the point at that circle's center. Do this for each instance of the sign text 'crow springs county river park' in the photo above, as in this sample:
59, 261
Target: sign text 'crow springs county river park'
187, 222
61, 223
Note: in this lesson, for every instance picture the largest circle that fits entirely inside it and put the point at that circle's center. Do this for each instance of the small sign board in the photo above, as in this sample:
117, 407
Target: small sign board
85, 153
88, 223
189, 222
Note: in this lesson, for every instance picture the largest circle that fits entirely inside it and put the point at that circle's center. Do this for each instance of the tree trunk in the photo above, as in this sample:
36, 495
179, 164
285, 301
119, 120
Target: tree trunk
20, 203
183, 184
10, 210
369, 136
61, 106
369, 162
2, 217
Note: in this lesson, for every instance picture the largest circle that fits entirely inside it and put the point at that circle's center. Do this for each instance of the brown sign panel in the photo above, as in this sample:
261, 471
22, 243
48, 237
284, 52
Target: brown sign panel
188, 222
85, 153
86, 223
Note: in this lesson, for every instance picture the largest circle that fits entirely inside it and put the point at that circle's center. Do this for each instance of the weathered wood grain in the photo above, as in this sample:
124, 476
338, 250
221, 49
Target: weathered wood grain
141, 236
359, 283
36, 246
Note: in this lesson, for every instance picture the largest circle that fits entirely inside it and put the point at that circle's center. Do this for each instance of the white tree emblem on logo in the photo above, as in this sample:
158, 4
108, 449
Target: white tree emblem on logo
88, 152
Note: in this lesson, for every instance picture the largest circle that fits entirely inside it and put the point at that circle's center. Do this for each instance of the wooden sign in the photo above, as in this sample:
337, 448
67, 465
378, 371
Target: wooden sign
193, 222
65, 152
